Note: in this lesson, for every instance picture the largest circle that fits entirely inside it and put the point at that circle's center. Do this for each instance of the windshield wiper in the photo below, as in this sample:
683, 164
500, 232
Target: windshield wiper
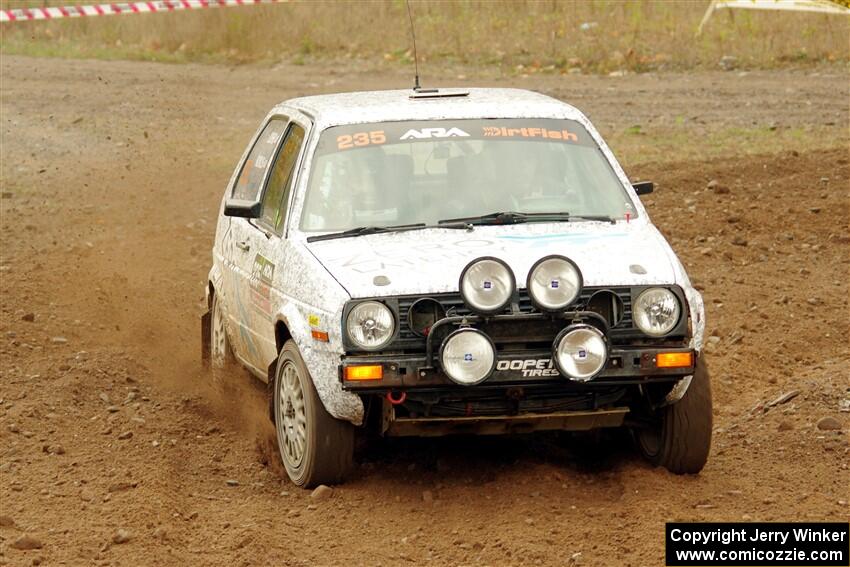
599, 218
365, 230
514, 217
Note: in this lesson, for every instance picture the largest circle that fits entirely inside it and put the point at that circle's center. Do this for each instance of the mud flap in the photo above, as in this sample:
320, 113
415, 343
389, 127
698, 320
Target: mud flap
206, 331
676, 393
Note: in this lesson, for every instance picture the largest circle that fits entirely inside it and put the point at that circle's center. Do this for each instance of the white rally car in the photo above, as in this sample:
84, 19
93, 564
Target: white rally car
433, 262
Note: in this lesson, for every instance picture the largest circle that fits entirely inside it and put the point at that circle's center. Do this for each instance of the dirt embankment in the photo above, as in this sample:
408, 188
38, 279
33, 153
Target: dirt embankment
114, 451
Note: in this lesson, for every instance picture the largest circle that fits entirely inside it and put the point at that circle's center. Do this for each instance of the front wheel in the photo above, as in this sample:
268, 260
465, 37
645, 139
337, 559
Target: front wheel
315, 447
680, 438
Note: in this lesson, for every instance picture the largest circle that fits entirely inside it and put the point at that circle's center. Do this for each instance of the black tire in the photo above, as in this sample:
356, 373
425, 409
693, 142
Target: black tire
327, 453
681, 440
221, 355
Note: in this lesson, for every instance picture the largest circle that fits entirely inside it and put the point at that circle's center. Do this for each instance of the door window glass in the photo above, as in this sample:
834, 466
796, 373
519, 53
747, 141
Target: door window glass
250, 179
276, 196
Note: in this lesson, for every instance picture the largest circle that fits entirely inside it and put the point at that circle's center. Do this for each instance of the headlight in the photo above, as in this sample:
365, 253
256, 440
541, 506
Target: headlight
580, 352
656, 311
553, 283
468, 356
370, 325
486, 285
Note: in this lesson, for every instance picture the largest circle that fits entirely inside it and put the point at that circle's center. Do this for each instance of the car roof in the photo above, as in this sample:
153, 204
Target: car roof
399, 105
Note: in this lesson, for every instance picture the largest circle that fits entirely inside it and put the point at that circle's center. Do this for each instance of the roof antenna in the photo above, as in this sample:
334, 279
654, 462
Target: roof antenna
416, 86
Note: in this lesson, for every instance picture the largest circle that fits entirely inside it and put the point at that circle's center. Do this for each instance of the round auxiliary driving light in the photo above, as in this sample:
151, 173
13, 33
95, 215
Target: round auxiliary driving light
656, 311
580, 352
468, 356
370, 325
554, 282
486, 285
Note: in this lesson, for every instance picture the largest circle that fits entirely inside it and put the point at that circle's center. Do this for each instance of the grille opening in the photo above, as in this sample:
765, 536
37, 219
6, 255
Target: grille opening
608, 305
423, 314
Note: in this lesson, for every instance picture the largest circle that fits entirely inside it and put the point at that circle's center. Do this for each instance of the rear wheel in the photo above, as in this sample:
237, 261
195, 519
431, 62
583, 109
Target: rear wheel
315, 447
680, 438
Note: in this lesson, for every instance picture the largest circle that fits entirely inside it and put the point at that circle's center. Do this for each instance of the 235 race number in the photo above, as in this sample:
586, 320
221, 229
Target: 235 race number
360, 139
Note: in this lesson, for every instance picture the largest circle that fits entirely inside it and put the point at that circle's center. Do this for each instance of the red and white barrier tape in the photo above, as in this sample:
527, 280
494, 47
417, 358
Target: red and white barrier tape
112, 9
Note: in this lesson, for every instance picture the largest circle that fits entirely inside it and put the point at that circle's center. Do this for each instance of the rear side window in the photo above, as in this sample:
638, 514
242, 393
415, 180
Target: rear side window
276, 196
250, 179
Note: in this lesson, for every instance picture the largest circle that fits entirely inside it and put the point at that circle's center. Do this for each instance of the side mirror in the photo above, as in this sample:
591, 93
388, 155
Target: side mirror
243, 209
644, 187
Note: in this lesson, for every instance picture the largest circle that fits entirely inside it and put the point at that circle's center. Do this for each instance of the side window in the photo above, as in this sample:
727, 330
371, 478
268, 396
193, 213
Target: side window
276, 197
251, 177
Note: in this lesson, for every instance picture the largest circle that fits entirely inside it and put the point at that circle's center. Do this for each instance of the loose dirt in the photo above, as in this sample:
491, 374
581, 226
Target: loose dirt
115, 451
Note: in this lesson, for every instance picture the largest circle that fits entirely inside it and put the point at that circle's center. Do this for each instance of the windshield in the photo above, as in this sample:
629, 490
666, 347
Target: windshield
398, 173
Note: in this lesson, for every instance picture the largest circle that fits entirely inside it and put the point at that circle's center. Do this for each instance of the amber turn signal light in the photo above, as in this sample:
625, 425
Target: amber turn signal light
674, 359
364, 372
320, 336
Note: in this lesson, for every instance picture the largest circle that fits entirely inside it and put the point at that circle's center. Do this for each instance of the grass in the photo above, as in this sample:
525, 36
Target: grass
521, 36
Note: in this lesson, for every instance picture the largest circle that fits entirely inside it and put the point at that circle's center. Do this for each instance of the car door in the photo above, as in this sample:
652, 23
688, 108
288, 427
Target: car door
263, 250
243, 237
270, 260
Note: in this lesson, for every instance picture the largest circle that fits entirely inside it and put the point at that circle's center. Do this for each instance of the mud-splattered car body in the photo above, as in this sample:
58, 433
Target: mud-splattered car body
280, 278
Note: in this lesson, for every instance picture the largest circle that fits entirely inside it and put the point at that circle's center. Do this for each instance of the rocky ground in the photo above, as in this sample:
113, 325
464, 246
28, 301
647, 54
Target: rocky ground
114, 450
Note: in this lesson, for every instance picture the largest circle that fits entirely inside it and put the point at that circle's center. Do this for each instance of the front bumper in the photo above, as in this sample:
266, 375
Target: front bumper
525, 392
625, 366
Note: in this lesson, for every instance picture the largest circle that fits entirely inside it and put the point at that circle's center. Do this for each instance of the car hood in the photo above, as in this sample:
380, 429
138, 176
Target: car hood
430, 261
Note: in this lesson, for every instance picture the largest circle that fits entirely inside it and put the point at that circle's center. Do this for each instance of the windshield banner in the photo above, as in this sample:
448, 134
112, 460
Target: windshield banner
356, 136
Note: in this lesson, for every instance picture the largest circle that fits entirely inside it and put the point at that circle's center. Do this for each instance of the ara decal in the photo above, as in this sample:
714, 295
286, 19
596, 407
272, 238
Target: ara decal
426, 133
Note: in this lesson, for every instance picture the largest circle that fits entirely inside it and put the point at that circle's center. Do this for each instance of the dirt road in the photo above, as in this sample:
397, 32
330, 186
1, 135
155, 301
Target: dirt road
111, 177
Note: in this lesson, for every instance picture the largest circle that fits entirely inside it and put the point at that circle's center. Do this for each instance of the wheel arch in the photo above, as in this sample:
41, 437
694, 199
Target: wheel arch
281, 335
322, 360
